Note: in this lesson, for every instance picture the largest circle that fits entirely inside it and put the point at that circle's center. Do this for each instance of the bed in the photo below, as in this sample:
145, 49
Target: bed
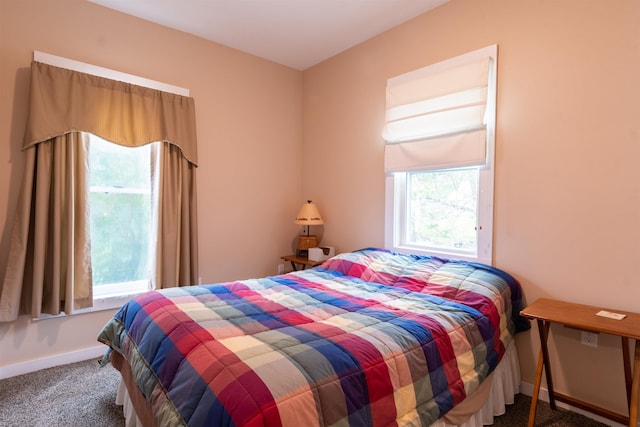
368, 338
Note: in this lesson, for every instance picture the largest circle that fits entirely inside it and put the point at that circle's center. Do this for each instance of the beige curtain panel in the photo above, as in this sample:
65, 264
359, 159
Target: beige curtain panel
49, 268
176, 261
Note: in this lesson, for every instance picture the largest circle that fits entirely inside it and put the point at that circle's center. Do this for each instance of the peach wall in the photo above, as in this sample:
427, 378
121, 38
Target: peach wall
567, 191
249, 131
566, 213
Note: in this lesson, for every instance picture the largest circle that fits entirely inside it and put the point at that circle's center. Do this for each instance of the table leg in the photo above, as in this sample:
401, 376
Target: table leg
543, 362
543, 328
294, 266
627, 368
536, 391
635, 387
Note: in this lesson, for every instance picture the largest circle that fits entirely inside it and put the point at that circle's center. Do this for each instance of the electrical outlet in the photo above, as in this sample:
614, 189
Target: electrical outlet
589, 338
280, 268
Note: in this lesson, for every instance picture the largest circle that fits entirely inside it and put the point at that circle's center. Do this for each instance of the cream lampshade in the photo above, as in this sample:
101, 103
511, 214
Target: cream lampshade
308, 215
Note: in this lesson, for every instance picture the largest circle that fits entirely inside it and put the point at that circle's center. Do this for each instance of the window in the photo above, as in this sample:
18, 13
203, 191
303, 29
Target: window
51, 243
121, 217
439, 133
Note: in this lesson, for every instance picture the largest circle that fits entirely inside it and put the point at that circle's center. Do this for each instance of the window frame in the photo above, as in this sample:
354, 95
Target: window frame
395, 219
396, 184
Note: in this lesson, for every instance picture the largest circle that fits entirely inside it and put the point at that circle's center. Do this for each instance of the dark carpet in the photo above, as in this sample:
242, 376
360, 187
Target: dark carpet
518, 415
81, 394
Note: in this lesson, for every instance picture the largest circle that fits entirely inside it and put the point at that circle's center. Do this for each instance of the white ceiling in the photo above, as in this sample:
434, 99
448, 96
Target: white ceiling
295, 33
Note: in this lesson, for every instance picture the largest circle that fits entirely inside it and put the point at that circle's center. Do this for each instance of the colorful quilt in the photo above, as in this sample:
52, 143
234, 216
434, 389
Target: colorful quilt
369, 338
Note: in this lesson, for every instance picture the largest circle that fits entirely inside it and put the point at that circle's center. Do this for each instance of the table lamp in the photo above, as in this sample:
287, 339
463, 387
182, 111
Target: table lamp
308, 215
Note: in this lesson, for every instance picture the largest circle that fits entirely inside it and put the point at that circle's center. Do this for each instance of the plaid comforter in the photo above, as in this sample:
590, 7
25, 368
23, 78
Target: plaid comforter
370, 338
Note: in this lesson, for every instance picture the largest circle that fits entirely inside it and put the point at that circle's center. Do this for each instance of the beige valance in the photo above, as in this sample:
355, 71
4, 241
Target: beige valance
63, 100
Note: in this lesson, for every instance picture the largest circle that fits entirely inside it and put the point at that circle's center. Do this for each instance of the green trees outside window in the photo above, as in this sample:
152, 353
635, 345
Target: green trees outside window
442, 208
120, 204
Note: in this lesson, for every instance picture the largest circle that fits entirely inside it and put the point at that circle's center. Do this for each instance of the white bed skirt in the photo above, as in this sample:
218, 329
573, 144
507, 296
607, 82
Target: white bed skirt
505, 378
506, 384
122, 399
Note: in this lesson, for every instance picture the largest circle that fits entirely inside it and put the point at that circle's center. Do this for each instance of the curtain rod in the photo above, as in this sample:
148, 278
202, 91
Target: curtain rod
70, 64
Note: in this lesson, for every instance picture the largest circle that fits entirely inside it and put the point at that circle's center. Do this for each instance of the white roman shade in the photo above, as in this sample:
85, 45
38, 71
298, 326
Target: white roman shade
439, 116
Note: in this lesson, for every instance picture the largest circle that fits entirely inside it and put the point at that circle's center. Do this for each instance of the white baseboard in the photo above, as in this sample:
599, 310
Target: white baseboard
527, 389
51, 361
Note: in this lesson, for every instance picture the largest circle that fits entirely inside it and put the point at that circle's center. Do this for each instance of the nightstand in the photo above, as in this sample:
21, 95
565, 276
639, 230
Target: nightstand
624, 324
303, 261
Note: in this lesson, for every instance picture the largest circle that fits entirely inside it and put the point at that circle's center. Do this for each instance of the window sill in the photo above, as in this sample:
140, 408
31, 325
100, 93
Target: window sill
409, 249
101, 304
108, 303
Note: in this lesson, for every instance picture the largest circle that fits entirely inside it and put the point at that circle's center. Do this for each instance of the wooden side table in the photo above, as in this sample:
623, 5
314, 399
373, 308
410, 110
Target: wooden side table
304, 262
546, 311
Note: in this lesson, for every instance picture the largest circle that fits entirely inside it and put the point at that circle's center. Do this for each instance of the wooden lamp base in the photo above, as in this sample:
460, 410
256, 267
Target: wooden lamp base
304, 243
